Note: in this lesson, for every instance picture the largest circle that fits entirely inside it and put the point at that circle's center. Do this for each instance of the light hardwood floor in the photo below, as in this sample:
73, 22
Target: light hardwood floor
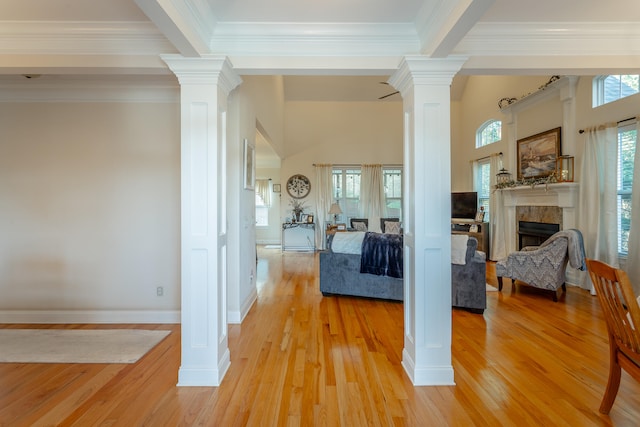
300, 359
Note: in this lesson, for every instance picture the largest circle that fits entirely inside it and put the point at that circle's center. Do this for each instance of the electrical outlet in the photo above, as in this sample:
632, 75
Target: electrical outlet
159, 291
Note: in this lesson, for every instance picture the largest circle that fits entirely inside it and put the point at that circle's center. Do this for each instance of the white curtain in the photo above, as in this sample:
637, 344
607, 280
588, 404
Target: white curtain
632, 266
372, 198
498, 249
597, 209
264, 191
324, 199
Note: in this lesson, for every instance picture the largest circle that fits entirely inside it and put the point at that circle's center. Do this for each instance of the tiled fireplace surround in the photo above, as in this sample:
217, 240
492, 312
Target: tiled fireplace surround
553, 204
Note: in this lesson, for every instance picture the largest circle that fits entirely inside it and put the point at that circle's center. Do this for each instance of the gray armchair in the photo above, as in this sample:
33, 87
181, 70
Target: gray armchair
469, 281
544, 266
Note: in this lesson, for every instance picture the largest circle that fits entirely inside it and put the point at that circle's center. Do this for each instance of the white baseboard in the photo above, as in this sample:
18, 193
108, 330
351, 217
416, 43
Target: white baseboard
204, 376
236, 317
89, 316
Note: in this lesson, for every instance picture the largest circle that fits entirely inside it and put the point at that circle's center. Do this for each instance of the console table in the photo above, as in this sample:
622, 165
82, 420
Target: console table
299, 236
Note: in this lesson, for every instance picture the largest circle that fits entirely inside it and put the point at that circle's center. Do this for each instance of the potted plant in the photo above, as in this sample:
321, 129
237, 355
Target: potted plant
297, 208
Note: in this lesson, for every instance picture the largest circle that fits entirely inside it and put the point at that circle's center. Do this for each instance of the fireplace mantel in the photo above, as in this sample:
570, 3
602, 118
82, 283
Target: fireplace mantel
563, 195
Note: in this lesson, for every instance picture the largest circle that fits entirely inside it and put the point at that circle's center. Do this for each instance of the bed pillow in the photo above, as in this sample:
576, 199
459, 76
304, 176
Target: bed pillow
391, 227
359, 226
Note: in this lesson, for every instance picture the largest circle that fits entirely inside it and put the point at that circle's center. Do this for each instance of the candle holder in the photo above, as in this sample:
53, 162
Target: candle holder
503, 177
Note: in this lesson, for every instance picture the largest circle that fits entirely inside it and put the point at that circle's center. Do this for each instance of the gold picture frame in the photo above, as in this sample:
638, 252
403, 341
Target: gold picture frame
537, 154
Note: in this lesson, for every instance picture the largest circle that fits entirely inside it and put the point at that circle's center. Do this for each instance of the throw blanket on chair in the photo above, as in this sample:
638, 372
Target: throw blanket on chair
575, 247
382, 254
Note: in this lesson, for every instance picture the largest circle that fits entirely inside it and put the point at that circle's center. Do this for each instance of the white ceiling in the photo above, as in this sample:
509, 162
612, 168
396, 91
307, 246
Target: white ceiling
322, 48
382, 11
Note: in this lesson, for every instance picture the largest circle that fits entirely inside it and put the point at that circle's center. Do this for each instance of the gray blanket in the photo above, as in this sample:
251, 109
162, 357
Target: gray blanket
575, 250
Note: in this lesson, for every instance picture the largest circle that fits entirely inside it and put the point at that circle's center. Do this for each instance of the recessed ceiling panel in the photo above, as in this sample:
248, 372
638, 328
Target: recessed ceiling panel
316, 11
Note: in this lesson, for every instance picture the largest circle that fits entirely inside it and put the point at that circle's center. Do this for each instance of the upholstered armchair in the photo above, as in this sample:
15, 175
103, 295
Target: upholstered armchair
544, 266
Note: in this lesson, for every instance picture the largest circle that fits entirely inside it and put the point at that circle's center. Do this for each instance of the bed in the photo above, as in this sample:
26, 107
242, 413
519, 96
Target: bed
378, 255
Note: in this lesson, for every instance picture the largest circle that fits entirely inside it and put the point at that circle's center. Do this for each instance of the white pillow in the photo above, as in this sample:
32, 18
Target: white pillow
359, 226
391, 227
459, 248
348, 243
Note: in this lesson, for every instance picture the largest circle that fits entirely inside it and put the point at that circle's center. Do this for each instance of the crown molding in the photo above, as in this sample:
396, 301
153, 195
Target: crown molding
78, 38
50, 88
563, 87
308, 39
547, 39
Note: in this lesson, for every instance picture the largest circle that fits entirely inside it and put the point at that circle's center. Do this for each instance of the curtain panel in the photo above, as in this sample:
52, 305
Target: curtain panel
264, 191
324, 199
597, 209
632, 266
372, 198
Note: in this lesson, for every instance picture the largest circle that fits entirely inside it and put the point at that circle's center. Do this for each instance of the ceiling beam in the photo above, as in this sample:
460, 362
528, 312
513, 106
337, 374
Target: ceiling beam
442, 24
181, 23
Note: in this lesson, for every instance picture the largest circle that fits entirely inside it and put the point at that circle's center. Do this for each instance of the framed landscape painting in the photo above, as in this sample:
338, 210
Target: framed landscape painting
537, 154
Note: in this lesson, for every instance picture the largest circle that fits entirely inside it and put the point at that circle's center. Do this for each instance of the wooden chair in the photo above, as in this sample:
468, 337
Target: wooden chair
622, 315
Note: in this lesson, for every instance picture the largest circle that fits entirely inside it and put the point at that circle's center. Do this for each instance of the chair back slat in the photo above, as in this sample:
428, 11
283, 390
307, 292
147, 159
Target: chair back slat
619, 306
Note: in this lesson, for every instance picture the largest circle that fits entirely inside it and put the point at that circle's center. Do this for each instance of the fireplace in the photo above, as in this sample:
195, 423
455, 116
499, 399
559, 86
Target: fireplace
532, 233
551, 204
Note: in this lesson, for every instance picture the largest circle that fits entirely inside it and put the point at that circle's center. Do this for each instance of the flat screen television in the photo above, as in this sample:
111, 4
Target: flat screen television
464, 205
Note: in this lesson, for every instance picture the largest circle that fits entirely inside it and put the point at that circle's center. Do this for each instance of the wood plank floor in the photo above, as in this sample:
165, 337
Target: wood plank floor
300, 359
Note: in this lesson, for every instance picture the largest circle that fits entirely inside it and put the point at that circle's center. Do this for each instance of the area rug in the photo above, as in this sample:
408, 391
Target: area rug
77, 345
491, 288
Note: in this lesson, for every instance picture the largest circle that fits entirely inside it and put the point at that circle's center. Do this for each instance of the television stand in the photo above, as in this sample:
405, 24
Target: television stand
477, 229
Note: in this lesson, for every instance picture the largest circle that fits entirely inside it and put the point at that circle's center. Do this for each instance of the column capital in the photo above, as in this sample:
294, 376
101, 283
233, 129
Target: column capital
204, 70
420, 70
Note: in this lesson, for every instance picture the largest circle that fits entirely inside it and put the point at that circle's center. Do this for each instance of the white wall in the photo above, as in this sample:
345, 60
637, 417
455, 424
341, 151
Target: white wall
267, 98
480, 103
90, 206
338, 133
273, 233
258, 101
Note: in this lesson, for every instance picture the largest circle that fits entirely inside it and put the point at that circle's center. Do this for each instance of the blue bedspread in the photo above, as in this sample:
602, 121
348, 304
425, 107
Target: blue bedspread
382, 254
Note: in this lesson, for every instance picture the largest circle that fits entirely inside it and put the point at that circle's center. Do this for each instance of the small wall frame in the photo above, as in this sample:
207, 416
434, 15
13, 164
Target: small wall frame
249, 166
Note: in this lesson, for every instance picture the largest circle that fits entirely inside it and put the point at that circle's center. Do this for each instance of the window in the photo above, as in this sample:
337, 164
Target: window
483, 185
488, 133
346, 190
627, 142
392, 178
611, 88
262, 212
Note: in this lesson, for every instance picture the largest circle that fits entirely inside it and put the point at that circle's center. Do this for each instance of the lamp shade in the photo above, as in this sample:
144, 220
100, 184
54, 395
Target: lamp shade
335, 209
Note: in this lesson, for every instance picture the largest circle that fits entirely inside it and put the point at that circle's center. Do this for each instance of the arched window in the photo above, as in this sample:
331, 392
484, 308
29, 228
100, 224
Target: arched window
488, 133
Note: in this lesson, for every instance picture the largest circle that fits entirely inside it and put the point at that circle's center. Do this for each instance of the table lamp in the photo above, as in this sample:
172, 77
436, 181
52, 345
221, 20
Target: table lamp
335, 211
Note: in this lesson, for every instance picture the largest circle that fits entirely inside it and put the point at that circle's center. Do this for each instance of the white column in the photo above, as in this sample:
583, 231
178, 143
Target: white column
205, 84
425, 87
